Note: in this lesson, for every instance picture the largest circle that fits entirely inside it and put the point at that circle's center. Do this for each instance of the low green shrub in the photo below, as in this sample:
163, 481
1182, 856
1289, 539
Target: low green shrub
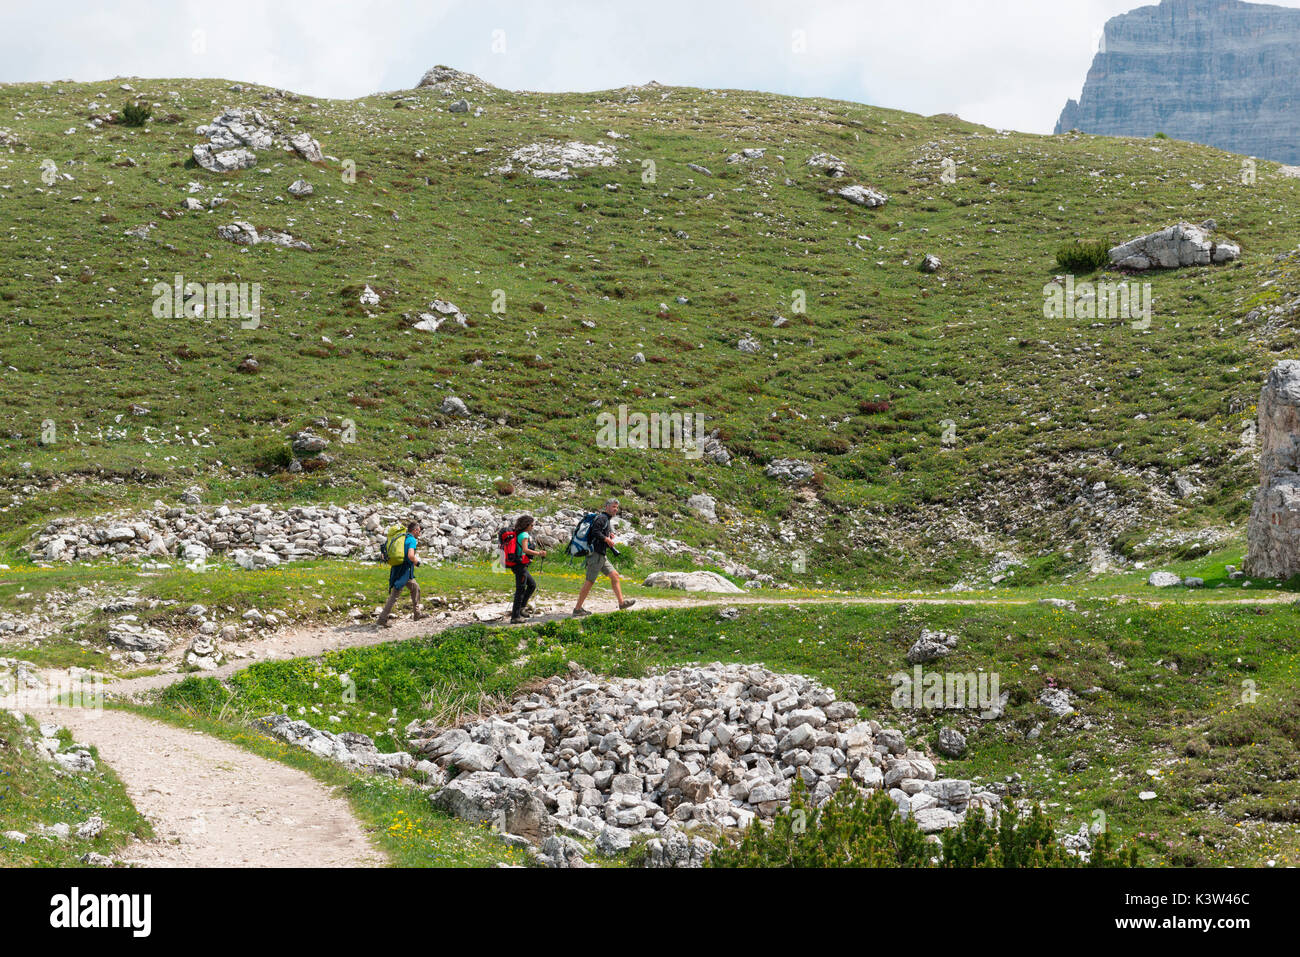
854, 829
1083, 257
133, 114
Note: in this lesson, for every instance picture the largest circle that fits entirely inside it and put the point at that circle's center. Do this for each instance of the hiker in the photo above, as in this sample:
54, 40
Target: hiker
403, 576
601, 538
518, 556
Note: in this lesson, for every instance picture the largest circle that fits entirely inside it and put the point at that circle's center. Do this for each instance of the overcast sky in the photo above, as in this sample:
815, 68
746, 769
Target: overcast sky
1005, 63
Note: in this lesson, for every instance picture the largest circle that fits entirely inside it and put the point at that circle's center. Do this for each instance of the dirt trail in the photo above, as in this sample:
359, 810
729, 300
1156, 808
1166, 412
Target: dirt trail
214, 804
316, 639
313, 640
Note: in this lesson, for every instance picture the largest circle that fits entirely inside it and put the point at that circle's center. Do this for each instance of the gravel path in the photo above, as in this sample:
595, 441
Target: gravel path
214, 804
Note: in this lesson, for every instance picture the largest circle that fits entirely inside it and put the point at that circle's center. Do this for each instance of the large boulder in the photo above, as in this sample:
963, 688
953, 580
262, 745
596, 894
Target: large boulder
1179, 245
1273, 533
486, 798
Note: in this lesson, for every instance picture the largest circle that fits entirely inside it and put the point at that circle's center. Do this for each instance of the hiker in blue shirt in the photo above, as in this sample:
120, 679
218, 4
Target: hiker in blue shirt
403, 576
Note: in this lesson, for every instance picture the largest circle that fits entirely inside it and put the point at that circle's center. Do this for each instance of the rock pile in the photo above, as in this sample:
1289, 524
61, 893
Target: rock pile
258, 536
696, 746
1179, 245
1273, 533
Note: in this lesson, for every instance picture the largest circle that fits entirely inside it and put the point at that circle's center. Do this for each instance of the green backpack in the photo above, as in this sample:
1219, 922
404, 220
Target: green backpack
395, 546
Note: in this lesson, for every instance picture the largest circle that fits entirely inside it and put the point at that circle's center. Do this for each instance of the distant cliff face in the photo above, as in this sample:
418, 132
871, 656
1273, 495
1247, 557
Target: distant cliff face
1217, 72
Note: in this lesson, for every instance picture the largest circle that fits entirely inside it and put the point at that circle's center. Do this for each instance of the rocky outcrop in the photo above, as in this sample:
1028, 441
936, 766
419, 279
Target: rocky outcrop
236, 136
444, 79
556, 161
1273, 533
1181, 244
1218, 72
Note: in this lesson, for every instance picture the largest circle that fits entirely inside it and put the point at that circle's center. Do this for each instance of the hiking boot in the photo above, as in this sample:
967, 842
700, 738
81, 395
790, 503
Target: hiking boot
418, 615
383, 623
518, 619
628, 603
580, 613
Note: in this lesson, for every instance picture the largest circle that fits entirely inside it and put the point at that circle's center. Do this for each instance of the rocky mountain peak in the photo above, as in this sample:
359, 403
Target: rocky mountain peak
1218, 72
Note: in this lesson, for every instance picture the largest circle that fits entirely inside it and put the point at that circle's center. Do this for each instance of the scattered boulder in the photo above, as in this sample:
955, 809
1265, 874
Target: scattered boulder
951, 743
1057, 701
240, 232
223, 161
233, 137
931, 646
308, 442
828, 165
440, 311
792, 471
704, 505
1163, 579
862, 196
306, 147
350, 748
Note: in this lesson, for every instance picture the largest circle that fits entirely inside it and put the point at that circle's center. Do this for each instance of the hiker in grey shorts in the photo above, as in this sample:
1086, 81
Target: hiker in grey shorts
601, 538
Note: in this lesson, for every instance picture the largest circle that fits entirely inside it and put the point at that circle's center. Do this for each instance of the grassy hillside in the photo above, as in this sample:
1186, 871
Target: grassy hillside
1042, 410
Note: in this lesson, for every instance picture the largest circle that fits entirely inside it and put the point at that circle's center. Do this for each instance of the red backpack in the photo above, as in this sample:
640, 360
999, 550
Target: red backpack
511, 554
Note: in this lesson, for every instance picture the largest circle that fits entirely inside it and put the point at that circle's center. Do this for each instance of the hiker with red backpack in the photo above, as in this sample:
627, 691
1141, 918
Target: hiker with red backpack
517, 553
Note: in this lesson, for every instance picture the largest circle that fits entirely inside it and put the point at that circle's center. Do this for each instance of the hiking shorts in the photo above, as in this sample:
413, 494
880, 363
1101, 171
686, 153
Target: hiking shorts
597, 565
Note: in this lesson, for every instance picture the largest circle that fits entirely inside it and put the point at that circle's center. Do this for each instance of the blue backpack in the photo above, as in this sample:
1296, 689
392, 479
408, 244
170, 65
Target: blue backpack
578, 544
